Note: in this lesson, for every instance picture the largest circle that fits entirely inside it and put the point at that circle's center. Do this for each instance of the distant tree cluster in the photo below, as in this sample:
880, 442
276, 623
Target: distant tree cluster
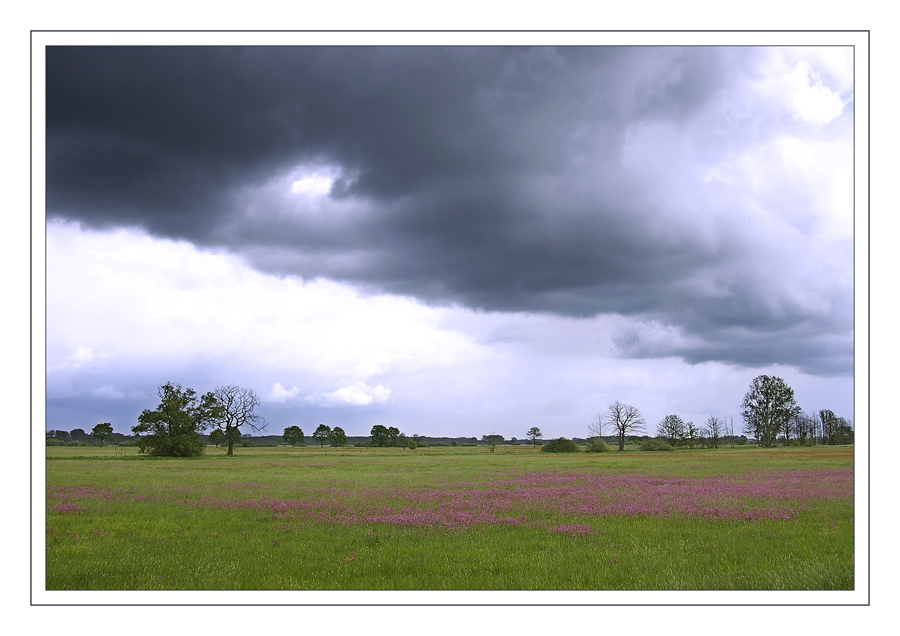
770, 413
388, 436
101, 434
173, 428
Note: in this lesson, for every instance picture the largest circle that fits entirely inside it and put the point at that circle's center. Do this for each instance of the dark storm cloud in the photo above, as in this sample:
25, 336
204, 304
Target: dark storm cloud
488, 177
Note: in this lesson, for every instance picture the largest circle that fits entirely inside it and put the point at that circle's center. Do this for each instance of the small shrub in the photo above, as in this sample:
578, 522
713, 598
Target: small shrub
597, 445
656, 445
412, 444
560, 445
55, 442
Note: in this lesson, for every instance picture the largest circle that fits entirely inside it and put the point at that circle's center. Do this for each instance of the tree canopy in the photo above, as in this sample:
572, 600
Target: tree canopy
322, 434
492, 440
337, 437
102, 432
671, 428
767, 408
173, 428
293, 435
381, 435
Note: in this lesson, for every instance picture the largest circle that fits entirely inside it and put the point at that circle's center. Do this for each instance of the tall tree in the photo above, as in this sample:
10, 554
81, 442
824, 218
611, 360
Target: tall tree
534, 434
379, 435
828, 426
230, 408
715, 430
102, 432
692, 433
322, 434
293, 435
625, 419
337, 437
671, 428
804, 428
766, 406
173, 428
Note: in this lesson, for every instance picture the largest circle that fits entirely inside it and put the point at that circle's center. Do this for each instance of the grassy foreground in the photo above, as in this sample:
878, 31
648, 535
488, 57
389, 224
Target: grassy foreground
450, 519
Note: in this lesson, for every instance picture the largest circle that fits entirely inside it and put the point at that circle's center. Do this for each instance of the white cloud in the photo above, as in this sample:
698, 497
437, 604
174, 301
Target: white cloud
280, 395
791, 79
360, 394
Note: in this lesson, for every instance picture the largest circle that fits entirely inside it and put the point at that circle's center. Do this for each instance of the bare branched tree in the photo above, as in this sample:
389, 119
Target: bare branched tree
624, 419
595, 428
230, 408
715, 430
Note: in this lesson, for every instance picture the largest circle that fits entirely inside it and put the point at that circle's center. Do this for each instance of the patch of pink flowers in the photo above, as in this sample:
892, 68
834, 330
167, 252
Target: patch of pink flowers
522, 498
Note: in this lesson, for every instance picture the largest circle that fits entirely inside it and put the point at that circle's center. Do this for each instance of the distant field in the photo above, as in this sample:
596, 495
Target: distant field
450, 519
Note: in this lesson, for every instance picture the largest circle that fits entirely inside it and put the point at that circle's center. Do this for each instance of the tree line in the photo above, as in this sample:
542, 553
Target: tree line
175, 427
769, 411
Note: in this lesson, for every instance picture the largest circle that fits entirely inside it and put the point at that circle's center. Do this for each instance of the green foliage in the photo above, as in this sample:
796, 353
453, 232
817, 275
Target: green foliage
52, 441
560, 445
384, 436
597, 445
655, 444
217, 437
322, 434
534, 434
492, 440
173, 429
337, 437
102, 432
767, 408
412, 444
293, 435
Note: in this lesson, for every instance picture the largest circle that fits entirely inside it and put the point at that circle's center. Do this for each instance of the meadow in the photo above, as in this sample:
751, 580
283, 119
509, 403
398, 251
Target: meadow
444, 518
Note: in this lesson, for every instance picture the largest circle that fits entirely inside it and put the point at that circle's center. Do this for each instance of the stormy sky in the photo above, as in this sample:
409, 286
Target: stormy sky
452, 240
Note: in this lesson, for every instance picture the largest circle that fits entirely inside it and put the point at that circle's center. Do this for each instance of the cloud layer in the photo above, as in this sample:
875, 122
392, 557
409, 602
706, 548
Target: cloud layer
705, 190
351, 222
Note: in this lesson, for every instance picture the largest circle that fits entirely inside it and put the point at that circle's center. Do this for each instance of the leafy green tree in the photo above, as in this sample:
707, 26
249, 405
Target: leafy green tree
102, 432
534, 434
692, 433
173, 428
412, 444
492, 440
293, 435
843, 433
78, 435
766, 406
322, 434
217, 437
379, 435
230, 408
337, 437
671, 429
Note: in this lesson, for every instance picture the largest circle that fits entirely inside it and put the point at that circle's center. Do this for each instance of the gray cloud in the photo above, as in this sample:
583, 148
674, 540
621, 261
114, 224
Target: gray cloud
562, 181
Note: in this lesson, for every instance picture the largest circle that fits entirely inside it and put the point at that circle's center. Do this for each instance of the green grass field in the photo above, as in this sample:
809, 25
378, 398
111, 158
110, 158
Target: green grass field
450, 519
